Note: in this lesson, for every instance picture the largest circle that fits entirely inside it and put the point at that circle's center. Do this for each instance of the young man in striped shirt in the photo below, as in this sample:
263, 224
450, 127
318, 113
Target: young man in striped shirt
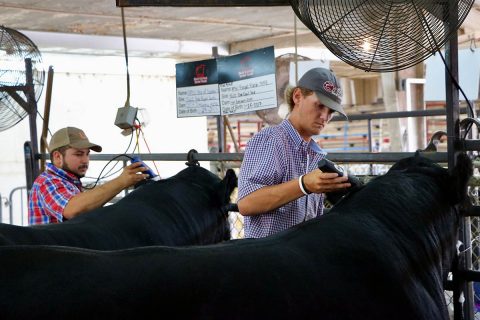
279, 183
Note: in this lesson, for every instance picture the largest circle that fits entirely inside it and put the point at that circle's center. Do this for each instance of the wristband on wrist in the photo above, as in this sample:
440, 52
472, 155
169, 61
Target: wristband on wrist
302, 186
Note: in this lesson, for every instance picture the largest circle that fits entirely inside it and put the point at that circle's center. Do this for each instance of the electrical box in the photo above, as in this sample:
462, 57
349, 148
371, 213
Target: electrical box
126, 117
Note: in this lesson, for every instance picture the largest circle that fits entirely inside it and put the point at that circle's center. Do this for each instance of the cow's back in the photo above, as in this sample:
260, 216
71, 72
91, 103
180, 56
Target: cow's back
189, 208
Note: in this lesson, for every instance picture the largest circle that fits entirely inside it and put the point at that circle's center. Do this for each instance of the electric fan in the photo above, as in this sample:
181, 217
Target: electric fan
15, 47
382, 35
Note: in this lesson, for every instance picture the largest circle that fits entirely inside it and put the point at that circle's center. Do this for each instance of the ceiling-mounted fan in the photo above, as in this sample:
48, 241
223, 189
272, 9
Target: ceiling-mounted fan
382, 35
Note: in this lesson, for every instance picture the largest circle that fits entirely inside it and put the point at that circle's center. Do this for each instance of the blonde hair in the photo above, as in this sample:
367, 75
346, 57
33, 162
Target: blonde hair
289, 95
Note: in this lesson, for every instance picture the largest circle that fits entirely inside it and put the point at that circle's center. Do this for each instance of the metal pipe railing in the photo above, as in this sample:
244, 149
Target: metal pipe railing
10, 201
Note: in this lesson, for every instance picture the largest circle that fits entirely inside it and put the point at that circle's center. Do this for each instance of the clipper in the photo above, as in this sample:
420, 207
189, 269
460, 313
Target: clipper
329, 166
149, 171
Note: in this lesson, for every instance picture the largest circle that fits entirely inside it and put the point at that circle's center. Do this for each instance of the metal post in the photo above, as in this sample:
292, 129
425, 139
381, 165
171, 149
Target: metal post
32, 115
28, 157
46, 116
465, 310
10, 200
220, 125
370, 149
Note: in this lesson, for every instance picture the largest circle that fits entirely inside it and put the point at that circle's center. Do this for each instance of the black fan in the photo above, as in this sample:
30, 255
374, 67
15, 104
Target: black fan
382, 35
15, 47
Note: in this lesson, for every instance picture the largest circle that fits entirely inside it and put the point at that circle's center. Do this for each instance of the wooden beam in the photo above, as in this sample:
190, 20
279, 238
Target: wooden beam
202, 3
282, 41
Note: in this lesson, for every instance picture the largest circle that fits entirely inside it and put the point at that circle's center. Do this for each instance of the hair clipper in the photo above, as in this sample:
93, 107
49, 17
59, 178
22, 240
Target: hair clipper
329, 166
149, 171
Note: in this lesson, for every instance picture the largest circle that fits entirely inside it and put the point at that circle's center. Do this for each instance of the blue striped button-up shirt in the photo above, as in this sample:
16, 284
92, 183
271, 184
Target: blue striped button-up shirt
273, 156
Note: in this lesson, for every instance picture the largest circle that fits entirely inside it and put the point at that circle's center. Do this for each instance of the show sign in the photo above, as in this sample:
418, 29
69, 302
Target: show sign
242, 83
197, 89
247, 81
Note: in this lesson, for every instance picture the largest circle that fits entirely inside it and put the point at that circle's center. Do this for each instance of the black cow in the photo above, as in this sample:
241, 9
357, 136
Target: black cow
188, 208
381, 253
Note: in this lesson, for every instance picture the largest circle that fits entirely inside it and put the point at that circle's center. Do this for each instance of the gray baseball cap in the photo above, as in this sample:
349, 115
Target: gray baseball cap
73, 137
324, 83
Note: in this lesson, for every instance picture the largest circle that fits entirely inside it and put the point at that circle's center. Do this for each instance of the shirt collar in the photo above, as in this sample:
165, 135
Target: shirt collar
298, 140
63, 174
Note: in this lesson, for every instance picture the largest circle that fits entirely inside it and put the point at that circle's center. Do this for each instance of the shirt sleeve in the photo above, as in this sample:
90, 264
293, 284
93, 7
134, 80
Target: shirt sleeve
56, 194
261, 165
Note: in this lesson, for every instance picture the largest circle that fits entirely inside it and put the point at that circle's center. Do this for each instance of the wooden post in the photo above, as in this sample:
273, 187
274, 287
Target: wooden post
46, 117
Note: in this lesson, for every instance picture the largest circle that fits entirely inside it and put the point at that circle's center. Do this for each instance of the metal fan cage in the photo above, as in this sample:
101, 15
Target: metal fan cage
15, 47
382, 35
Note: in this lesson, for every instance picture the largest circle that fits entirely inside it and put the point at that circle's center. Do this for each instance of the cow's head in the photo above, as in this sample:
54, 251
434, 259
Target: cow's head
218, 192
454, 183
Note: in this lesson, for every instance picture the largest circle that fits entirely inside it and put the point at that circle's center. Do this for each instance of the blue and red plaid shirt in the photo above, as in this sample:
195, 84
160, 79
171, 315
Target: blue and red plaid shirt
273, 156
50, 193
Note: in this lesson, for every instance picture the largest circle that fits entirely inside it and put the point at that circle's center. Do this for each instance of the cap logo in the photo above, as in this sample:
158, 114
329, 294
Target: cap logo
82, 135
330, 87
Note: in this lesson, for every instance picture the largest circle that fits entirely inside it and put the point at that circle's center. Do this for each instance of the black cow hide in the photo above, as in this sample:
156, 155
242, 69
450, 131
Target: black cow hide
188, 208
381, 253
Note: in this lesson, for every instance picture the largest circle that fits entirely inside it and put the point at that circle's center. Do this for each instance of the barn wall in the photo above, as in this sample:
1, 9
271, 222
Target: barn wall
87, 90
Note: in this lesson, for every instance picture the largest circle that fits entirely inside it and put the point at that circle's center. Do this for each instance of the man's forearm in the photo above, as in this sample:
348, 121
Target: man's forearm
269, 198
92, 199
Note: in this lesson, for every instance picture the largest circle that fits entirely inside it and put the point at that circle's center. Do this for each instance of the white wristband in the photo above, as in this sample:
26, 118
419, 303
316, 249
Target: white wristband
300, 184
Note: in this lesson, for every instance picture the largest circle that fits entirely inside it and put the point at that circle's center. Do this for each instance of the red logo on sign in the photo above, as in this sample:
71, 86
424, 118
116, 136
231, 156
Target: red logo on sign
200, 77
245, 69
200, 71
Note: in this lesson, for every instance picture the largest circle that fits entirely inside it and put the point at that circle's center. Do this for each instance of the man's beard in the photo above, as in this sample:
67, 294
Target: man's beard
66, 168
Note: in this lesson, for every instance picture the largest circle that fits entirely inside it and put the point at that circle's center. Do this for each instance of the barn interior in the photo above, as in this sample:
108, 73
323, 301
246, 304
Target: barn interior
99, 56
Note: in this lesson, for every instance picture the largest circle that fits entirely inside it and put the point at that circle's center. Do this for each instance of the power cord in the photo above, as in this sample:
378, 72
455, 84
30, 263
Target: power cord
110, 173
100, 175
455, 82
457, 85
148, 148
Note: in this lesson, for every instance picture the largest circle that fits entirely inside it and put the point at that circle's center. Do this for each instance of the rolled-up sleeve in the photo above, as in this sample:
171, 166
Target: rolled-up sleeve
261, 166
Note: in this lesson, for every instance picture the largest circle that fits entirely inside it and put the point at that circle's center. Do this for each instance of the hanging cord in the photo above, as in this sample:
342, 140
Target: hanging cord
137, 134
110, 173
100, 175
457, 85
455, 82
127, 102
148, 148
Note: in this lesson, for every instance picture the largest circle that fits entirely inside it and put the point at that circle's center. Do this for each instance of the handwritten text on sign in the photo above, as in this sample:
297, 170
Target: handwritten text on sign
248, 95
198, 101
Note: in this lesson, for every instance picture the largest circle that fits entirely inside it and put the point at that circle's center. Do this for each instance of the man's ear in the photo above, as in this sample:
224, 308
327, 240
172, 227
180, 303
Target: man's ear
57, 158
296, 95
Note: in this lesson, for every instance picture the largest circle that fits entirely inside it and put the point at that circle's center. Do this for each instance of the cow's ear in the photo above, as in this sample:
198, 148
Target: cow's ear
460, 177
226, 186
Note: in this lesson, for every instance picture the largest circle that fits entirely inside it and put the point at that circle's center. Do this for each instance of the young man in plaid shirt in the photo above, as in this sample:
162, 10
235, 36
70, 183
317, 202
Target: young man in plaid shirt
279, 183
57, 194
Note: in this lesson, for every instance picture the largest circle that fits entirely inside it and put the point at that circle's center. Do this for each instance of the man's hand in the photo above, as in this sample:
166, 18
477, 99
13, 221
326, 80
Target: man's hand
98, 196
132, 174
317, 181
